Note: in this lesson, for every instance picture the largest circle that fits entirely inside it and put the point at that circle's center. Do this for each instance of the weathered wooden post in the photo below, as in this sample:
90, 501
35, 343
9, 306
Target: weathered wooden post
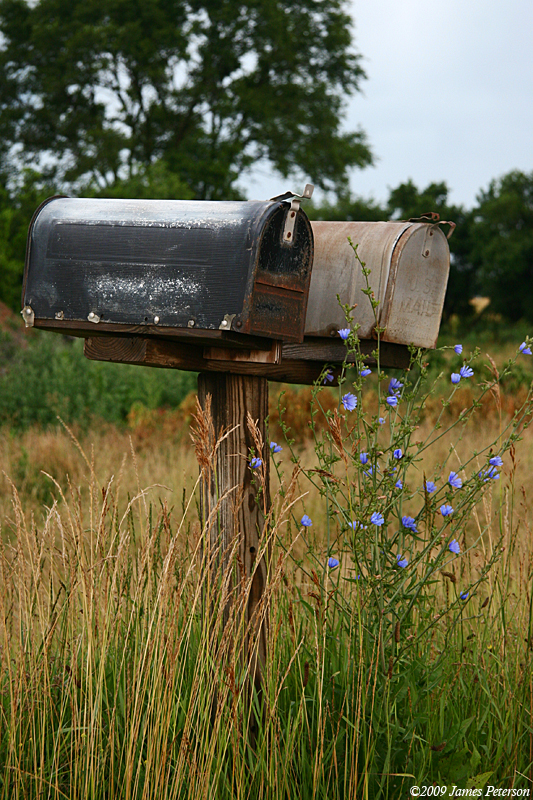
226, 289
240, 515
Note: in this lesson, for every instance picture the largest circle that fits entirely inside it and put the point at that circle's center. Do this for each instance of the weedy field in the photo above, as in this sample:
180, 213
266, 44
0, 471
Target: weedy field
399, 632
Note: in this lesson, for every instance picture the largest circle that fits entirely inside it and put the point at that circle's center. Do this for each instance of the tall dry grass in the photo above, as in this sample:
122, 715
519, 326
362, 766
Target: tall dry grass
155, 447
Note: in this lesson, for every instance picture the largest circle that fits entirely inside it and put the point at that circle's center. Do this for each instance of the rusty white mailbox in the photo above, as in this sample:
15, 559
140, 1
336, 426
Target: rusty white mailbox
409, 263
169, 267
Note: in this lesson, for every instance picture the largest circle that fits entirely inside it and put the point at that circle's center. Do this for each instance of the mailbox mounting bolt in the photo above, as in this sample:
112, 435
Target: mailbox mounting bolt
226, 322
156, 320
28, 316
59, 315
93, 317
190, 323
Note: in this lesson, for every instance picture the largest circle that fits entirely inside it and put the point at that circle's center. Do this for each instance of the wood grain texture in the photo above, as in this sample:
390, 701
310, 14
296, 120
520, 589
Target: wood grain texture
239, 518
272, 356
113, 348
170, 355
333, 351
299, 363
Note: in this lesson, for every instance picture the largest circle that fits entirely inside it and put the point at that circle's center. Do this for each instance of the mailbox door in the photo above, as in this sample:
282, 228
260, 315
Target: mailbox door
416, 286
278, 304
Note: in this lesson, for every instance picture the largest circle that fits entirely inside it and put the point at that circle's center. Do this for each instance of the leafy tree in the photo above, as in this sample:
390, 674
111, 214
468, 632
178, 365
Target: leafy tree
408, 201
502, 244
16, 209
348, 208
96, 94
154, 181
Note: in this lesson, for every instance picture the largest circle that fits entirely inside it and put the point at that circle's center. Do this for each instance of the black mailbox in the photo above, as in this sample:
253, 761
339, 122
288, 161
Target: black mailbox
164, 267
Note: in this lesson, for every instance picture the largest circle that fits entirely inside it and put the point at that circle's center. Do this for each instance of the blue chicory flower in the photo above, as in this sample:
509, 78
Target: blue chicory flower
402, 562
275, 447
408, 522
377, 518
395, 385
328, 377
496, 461
344, 333
458, 349
392, 400
333, 562
464, 595
369, 472
399, 484
524, 349
466, 372
397, 453
349, 401
453, 547
381, 420
446, 510
454, 480
363, 458
306, 521
455, 377
489, 473
430, 487
255, 463
365, 371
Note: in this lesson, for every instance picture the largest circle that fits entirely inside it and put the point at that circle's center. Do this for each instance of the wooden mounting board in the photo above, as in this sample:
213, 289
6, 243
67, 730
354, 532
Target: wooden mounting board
296, 363
198, 336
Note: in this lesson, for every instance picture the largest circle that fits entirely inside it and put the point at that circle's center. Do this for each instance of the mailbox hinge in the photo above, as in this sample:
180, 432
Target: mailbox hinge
426, 247
290, 218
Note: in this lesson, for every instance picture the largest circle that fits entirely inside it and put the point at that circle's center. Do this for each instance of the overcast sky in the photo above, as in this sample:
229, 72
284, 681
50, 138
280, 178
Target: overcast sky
449, 95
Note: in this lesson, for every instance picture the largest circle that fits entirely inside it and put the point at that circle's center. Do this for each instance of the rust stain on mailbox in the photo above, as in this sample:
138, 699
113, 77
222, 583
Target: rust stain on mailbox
409, 263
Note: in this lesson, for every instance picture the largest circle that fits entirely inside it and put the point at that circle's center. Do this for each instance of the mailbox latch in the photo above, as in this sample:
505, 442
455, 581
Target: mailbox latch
290, 219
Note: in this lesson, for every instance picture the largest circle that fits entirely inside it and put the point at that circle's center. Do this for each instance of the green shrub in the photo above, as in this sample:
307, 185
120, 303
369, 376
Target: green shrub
51, 378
